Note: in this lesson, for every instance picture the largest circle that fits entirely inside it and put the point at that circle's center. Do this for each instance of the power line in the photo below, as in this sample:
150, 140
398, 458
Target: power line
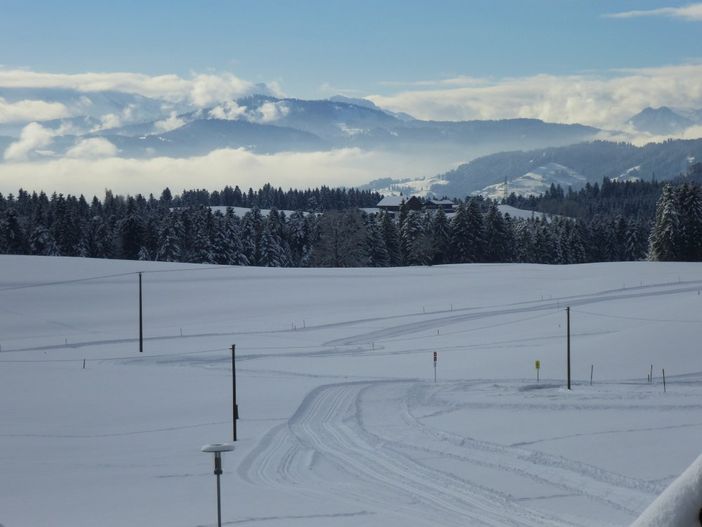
62, 282
129, 357
117, 275
605, 315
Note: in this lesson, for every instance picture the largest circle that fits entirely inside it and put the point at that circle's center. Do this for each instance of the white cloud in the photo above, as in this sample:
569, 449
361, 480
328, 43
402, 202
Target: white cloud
92, 148
210, 89
170, 123
116, 120
33, 136
691, 13
109, 120
603, 101
228, 110
201, 89
31, 110
215, 170
635, 137
269, 112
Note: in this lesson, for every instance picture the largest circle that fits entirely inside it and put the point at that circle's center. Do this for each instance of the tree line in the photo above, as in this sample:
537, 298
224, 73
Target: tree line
344, 236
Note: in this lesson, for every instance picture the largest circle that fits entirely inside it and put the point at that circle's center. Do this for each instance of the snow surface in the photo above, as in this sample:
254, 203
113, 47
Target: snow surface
523, 213
630, 174
536, 182
341, 422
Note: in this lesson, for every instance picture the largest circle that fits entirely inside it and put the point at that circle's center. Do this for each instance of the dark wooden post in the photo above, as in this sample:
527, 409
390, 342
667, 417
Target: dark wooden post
235, 407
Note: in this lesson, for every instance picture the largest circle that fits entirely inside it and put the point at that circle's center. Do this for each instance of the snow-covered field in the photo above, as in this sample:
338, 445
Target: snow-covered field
341, 422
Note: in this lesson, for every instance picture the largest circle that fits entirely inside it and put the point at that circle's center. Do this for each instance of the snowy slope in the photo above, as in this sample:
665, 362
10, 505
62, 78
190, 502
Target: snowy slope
536, 182
514, 212
341, 422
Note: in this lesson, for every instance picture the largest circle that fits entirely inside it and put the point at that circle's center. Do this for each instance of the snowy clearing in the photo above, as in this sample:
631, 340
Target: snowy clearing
341, 422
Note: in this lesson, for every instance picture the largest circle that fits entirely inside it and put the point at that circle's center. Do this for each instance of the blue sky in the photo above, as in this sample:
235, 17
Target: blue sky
313, 48
592, 62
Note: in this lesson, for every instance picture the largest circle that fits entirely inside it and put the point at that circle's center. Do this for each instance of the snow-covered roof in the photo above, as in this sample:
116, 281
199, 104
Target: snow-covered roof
440, 201
392, 201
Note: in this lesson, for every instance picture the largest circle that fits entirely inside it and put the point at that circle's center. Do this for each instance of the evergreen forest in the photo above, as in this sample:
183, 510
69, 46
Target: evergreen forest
612, 221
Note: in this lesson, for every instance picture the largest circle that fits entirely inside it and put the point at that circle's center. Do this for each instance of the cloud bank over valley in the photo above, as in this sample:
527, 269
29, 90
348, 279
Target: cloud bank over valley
132, 132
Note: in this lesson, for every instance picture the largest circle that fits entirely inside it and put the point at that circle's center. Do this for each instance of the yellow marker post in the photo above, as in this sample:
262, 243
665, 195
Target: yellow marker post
538, 367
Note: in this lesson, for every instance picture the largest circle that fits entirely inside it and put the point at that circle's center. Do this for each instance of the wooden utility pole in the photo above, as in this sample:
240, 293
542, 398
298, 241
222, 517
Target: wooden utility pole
235, 407
141, 322
568, 347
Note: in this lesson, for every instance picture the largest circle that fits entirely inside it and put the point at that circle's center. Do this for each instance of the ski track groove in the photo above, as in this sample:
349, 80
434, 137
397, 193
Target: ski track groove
613, 489
475, 313
329, 425
419, 326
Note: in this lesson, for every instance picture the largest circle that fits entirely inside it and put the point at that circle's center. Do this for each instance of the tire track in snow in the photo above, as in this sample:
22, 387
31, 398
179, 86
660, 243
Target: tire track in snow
328, 426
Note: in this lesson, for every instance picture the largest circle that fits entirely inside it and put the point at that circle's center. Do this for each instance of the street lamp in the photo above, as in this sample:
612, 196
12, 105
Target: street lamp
217, 449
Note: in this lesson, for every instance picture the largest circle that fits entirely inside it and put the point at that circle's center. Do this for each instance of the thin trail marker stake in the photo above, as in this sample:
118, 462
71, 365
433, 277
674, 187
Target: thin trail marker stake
568, 348
435, 358
592, 368
235, 407
663, 380
650, 377
83, 363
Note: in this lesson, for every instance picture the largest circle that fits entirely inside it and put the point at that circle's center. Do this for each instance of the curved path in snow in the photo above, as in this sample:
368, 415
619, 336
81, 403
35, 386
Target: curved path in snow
361, 441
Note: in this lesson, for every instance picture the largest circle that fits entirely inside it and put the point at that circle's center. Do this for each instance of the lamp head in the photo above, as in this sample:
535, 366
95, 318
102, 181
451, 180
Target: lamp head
218, 447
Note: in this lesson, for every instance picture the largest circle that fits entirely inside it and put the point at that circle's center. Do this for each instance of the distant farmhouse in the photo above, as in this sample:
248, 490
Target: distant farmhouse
446, 204
391, 204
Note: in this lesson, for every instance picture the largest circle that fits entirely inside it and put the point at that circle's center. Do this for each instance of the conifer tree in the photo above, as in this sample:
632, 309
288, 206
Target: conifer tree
663, 239
496, 236
460, 236
42, 243
170, 233
441, 237
375, 244
416, 245
12, 238
391, 236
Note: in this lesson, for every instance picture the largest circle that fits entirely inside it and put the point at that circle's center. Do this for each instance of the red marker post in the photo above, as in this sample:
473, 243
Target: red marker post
435, 358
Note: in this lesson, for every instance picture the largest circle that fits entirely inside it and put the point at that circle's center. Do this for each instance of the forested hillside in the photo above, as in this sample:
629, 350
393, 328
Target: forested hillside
594, 160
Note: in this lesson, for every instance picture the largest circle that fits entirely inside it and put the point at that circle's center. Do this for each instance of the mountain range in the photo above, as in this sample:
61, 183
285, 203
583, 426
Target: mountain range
528, 154
140, 127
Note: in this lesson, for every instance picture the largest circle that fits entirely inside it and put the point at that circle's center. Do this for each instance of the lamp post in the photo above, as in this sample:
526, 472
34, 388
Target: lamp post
217, 449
